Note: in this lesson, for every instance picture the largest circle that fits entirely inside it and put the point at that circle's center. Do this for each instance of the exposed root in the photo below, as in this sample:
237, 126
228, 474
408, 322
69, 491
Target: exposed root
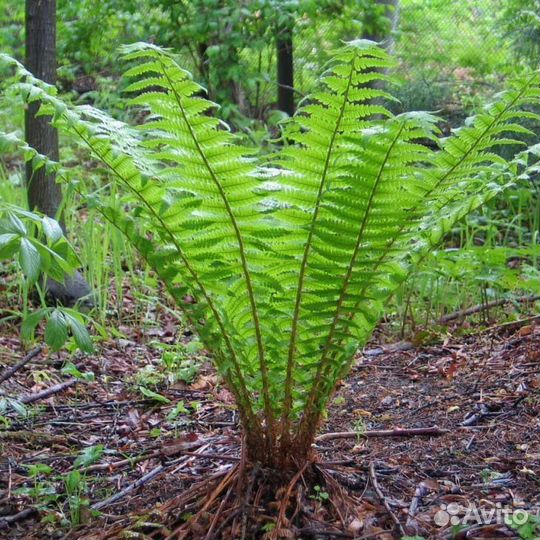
247, 501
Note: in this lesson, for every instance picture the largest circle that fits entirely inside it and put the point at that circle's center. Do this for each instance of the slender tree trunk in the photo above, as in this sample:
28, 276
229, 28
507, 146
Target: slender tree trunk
380, 32
285, 70
44, 194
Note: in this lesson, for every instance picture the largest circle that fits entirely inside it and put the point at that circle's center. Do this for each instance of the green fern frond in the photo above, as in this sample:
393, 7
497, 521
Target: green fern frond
321, 131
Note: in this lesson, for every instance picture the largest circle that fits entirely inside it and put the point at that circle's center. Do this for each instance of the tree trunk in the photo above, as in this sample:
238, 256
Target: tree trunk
285, 70
44, 194
379, 32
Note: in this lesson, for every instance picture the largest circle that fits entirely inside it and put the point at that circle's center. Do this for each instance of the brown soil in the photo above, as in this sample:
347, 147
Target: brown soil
484, 389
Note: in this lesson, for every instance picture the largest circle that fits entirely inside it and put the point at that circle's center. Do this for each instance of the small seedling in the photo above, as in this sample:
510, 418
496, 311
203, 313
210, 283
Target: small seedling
178, 409
359, 427
320, 494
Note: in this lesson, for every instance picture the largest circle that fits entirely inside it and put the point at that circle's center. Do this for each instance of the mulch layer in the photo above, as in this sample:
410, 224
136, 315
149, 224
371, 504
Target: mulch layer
484, 470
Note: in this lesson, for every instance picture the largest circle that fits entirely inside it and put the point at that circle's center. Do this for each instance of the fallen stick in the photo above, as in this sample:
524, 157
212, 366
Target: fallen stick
30, 398
380, 494
480, 307
131, 487
9, 372
36, 437
314, 532
432, 431
115, 464
156, 471
512, 325
421, 491
23, 514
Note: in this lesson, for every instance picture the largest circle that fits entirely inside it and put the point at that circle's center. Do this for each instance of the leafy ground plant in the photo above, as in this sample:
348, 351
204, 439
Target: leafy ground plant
38, 245
284, 266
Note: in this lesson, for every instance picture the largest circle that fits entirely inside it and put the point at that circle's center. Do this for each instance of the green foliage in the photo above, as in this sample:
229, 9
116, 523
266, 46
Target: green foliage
86, 49
290, 262
38, 244
320, 494
59, 322
431, 29
520, 20
181, 361
65, 493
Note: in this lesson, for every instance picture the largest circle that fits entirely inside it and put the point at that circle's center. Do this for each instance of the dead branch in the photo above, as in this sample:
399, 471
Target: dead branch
131, 487
30, 398
9, 372
432, 431
19, 516
35, 437
141, 481
380, 494
512, 325
481, 307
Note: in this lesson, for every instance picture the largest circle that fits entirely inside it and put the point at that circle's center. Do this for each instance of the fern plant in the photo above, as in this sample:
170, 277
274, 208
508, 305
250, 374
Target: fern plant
290, 260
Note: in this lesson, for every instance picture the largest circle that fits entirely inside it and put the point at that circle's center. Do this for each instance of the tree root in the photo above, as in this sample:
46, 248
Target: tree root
247, 501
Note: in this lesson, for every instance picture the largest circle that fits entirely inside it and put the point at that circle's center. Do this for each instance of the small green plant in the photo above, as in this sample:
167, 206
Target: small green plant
42, 489
359, 427
76, 487
268, 527
71, 369
489, 475
38, 244
176, 411
48, 496
320, 494
154, 396
181, 360
7, 403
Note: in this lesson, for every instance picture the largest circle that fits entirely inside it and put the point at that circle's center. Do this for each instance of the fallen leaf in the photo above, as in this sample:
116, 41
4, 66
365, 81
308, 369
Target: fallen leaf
526, 330
175, 446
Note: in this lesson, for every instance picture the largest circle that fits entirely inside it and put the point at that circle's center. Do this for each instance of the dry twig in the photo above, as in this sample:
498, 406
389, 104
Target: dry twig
55, 389
481, 307
432, 431
380, 494
9, 372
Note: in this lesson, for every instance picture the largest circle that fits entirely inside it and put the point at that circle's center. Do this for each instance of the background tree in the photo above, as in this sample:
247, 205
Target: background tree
379, 18
520, 21
44, 193
285, 63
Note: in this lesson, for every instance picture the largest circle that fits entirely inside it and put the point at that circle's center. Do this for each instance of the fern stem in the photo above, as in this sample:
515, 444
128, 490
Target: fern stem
270, 422
287, 406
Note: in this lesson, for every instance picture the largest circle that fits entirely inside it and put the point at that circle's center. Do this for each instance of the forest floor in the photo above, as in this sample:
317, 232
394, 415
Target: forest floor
483, 389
